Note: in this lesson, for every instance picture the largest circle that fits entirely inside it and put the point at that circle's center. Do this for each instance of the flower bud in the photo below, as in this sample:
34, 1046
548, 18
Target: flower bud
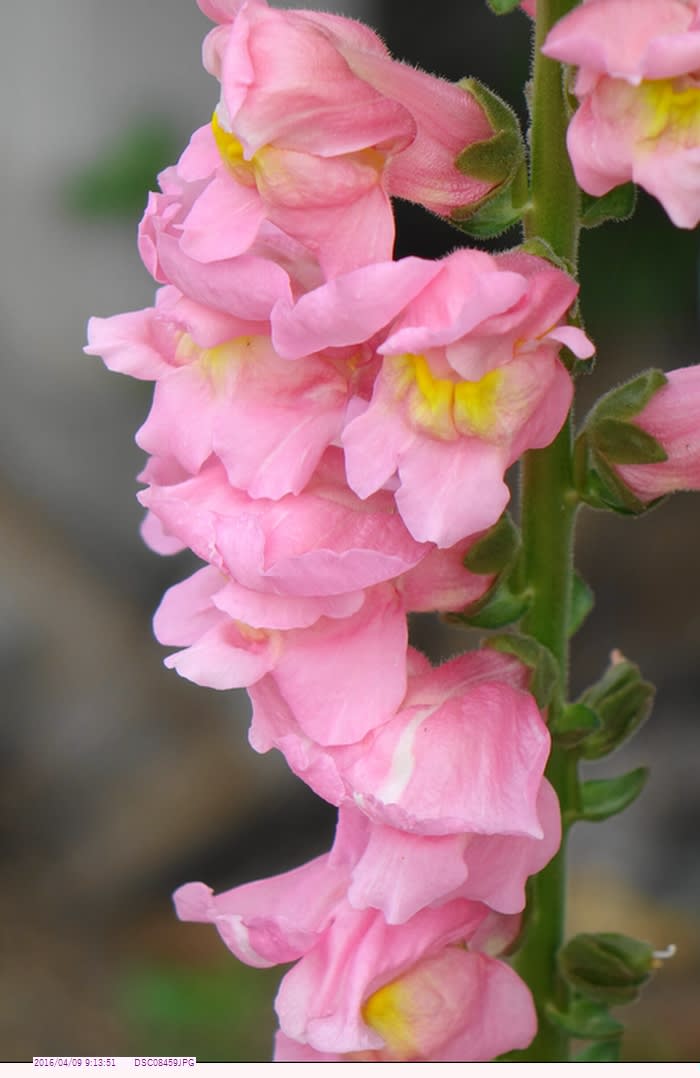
607, 966
622, 701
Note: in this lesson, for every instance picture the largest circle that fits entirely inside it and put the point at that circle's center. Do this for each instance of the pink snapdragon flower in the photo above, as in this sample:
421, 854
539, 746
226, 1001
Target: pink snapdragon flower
639, 87
464, 753
308, 648
470, 377
244, 283
324, 541
401, 872
362, 127
360, 985
221, 389
672, 417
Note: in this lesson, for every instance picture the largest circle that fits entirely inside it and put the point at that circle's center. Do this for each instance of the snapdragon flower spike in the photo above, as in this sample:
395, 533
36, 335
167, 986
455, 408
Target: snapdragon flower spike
221, 389
638, 85
672, 417
464, 753
361, 985
470, 377
310, 648
365, 126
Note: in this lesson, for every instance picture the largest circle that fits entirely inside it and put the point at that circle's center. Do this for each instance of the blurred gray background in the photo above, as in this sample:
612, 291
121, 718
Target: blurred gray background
118, 780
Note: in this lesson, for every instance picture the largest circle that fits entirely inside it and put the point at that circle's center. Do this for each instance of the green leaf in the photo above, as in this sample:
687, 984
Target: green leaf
582, 601
575, 723
586, 1019
623, 702
602, 798
502, 7
497, 549
617, 205
624, 443
545, 673
606, 966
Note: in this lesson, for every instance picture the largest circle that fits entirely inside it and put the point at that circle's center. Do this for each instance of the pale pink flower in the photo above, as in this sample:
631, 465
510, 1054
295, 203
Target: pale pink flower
470, 378
464, 753
639, 87
246, 284
323, 541
310, 648
221, 389
362, 126
361, 985
400, 872
672, 417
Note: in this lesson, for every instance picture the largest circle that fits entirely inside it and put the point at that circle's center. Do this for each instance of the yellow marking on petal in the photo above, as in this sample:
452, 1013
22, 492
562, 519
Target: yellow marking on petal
671, 107
476, 403
248, 632
215, 363
231, 151
387, 1012
445, 407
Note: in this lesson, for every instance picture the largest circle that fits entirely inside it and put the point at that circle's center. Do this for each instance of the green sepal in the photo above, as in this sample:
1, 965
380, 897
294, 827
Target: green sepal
493, 215
606, 967
498, 608
610, 437
498, 158
497, 549
587, 1019
582, 601
617, 205
624, 443
628, 400
494, 160
622, 700
502, 7
602, 487
545, 673
539, 247
602, 798
600, 1052
573, 725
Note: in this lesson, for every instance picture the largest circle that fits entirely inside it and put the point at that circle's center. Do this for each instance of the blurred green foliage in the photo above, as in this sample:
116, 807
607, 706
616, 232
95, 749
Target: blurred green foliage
215, 1014
116, 183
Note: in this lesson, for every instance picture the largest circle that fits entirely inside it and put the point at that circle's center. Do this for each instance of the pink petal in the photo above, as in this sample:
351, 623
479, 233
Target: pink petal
349, 309
269, 921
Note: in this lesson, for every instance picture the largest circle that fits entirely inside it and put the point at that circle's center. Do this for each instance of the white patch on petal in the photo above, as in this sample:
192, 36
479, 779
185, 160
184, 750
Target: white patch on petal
402, 762
239, 941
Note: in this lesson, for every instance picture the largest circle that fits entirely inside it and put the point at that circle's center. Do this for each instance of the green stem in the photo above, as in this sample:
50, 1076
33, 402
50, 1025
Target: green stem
548, 509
